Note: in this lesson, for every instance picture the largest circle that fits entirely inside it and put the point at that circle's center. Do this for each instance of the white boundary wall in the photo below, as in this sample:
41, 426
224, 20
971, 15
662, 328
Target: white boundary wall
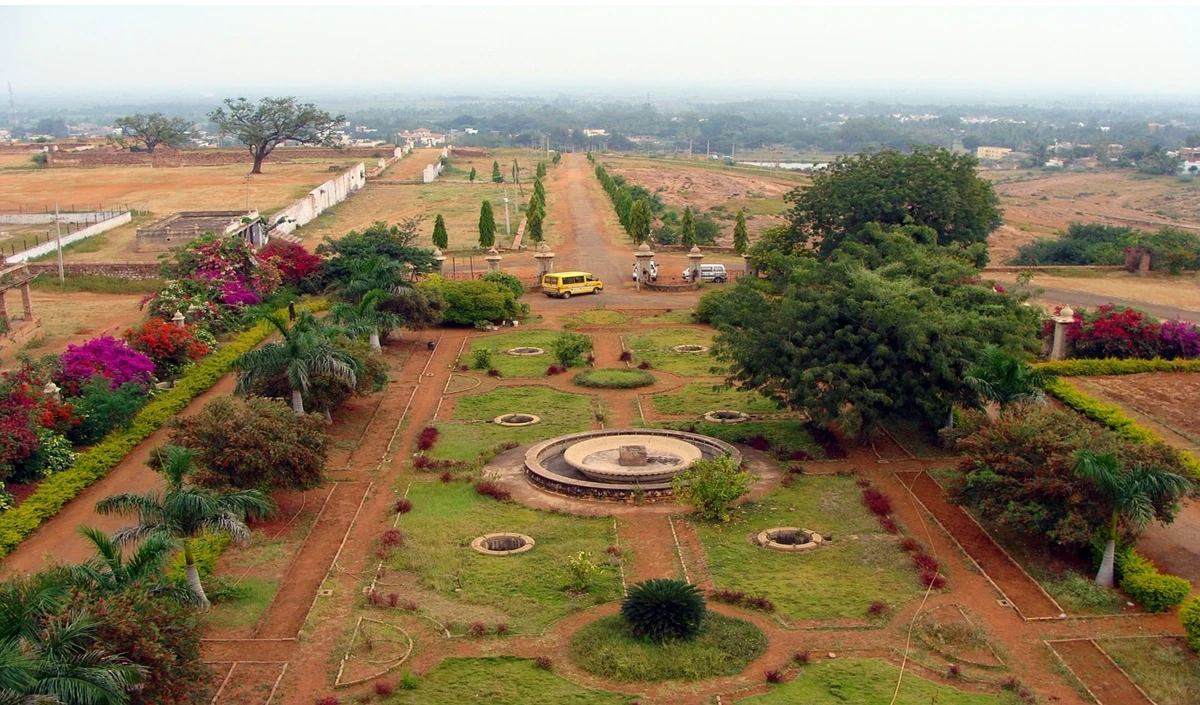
42, 218
325, 196
48, 247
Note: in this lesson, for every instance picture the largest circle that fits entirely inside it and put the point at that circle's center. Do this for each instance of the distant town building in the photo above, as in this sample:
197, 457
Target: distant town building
470, 131
594, 132
993, 153
424, 137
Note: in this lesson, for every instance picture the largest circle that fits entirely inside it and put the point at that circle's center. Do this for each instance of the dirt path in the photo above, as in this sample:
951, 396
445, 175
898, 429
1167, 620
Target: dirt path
1025, 595
649, 546
1103, 679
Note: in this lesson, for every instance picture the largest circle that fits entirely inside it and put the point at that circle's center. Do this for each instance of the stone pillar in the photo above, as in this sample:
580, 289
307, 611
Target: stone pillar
746, 265
1058, 348
178, 319
26, 301
643, 255
694, 257
493, 261
3, 307
439, 260
1144, 263
545, 260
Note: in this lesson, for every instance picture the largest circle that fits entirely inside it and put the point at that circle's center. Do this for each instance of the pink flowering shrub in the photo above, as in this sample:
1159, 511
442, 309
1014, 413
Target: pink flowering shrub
1111, 332
103, 357
1180, 339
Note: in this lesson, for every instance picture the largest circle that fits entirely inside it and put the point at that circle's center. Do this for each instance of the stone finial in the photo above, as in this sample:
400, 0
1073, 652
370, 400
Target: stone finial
51, 390
695, 250
543, 247
178, 319
437, 252
643, 247
1067, 312
493, 251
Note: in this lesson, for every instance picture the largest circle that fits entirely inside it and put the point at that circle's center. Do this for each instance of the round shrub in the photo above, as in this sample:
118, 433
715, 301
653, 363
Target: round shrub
662, 609
1189, 615
1155, 591
613, 379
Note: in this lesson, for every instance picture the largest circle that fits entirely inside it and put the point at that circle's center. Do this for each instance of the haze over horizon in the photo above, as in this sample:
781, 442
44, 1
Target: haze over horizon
687, 53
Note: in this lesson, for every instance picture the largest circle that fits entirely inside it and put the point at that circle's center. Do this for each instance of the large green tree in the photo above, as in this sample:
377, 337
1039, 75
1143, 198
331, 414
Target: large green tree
687, 228
441, 239
929, 186
154, 129
182, 512
487, 225
639, 222
1130, 495
366, 318
272, 121
882, 330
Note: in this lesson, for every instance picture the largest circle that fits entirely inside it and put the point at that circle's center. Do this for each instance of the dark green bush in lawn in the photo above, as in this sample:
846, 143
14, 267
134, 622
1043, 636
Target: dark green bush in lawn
613, 379
663, 609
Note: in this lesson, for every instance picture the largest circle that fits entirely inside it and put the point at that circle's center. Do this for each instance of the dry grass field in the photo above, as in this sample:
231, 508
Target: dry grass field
1037, 204
71, 317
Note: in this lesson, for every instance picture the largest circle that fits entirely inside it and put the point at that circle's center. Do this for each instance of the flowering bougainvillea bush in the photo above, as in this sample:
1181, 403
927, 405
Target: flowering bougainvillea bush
298, 267
105, 357
169, 346
1109, 332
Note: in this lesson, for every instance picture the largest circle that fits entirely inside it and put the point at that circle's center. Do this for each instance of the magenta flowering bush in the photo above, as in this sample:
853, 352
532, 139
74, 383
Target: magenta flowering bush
105, 357
1180, 339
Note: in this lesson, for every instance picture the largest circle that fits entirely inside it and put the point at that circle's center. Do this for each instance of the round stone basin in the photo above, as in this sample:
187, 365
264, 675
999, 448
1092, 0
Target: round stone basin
690, 348
620, 458
516, 419
789, 538
525, 351
504, 544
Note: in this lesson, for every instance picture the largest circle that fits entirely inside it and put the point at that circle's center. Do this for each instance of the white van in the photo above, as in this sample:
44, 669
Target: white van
709, 273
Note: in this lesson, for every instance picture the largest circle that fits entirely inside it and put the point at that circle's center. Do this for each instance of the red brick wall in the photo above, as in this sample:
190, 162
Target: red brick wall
164, 157
122, 270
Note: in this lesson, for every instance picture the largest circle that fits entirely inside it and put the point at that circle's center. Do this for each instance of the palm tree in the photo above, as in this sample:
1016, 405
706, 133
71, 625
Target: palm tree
366, 274
183, 512
1002, 378
110, 571
365, 318
1132, 496
306, 351
48, 657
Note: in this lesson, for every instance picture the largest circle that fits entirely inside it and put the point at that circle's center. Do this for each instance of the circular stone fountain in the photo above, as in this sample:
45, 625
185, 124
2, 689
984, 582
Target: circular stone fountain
726, 416
619, 464
516, 419
502, 544
789, 538
525, 351
690, 348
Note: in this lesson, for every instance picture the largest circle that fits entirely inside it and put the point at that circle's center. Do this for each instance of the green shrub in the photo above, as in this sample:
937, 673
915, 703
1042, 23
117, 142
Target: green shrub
1155, 591
506, 280
104, 409
569, 348
62, 487
1190, 617
663, 609
613, 379
1116, 366
711, 486
53, 454
468, 302
481, 358
206, 549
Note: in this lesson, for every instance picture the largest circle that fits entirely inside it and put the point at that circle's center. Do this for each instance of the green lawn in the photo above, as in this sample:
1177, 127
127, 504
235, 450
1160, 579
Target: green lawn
655, 347
699, 397
599, 317
619, 378
681, 316
723, 647
868, 682
471, 433
836, 581
502, 680
524, 591
512, 365
1165, 668
246, 610
782, 434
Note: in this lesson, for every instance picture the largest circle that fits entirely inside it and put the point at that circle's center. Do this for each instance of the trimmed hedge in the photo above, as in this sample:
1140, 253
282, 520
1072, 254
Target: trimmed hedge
1115, 418
1155, 591
62, 487
1115, 366
1190, 617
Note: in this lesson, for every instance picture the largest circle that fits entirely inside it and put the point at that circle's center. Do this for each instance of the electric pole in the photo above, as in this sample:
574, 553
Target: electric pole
62, 277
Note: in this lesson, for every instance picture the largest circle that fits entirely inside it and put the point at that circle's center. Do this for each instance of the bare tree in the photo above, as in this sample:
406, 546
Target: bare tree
265, 126
154, 129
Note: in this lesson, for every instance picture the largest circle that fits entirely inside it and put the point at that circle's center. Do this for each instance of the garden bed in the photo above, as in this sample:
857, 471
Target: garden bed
774, 436
1164, 667
472, 431
839, 581
515, 365
656, 348
525, 592
614, 379
869, 682
698, 397
501, 680
724, 646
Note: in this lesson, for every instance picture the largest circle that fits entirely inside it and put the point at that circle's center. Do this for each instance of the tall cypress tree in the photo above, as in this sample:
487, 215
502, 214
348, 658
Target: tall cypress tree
639, 221
487, 226
473, 174
741, 238
440, 239
541, 170
687, 228
496, 175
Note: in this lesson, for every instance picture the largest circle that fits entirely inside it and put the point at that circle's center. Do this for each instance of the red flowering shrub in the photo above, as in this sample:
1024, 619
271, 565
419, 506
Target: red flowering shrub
427, 438
18, 435
774, 676
493, 490
295, 263
403, 506
1111, 333
876, 502
169, 346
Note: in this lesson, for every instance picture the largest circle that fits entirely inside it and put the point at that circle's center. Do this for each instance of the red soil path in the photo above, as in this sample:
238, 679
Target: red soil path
1103, 679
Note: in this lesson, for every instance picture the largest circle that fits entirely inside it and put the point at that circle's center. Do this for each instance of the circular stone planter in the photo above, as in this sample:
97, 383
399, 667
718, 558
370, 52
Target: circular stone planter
525, 352
502, 544
789, 538
726, 416
661, 458
516, 419
690, 348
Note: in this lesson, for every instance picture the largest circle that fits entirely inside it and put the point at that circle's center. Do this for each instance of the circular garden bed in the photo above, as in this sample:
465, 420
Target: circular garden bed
614, 379
516, 419
526, 351
723, 647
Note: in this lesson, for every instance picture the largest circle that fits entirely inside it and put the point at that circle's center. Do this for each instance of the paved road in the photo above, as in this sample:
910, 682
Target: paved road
1079, 298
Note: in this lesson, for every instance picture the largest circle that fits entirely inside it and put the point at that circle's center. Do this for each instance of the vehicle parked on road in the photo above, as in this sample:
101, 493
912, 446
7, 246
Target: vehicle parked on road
564, 284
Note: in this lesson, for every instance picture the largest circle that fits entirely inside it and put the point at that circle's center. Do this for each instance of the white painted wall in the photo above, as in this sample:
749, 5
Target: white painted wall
47, 247
40, 218
325, 196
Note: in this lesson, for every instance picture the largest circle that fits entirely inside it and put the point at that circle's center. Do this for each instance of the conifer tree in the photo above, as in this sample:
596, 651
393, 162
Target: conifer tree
487, 226
473, 174
741, 238
497, 177
440, 239
687, 228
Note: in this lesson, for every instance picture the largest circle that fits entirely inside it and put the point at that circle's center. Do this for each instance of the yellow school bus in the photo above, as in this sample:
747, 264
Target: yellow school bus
564, 284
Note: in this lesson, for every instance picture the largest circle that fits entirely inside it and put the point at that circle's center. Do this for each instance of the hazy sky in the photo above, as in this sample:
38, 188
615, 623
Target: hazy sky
195, 51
